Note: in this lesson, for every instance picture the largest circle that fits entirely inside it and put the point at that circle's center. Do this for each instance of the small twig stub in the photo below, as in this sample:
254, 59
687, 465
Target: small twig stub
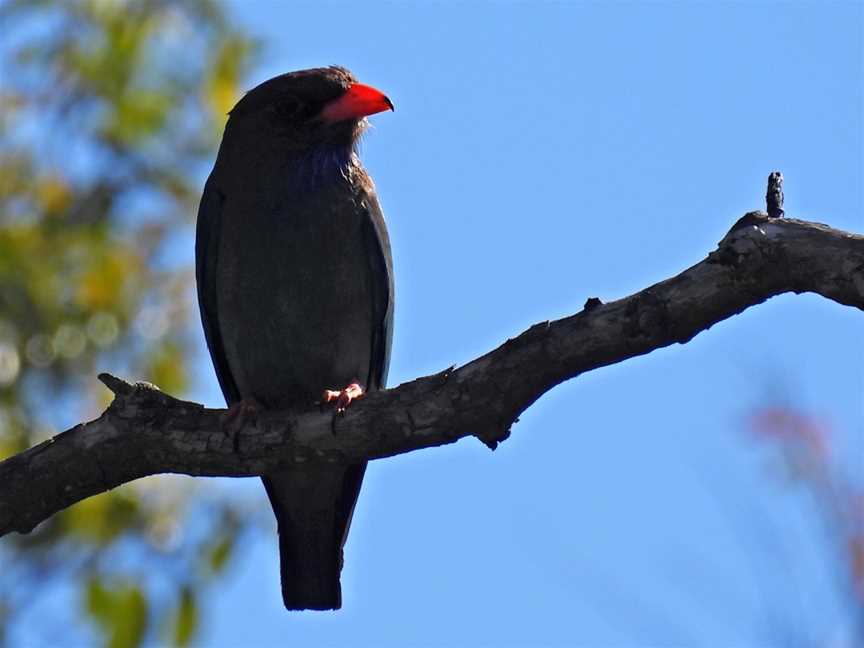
774, 196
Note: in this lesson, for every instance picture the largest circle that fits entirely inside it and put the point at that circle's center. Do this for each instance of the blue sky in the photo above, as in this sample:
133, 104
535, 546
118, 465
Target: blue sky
541, 154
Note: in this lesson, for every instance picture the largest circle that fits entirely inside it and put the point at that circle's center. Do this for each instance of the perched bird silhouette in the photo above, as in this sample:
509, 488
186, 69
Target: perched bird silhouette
295, 286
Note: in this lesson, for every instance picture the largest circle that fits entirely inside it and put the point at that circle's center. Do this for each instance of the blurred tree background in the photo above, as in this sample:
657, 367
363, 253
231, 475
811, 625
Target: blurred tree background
110, 114
808, 456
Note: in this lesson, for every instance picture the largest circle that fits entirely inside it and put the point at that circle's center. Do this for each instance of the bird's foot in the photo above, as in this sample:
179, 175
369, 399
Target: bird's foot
240, 414
344, 397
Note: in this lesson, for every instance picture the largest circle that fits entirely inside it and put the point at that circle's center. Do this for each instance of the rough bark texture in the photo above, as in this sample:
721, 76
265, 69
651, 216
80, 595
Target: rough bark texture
145, 432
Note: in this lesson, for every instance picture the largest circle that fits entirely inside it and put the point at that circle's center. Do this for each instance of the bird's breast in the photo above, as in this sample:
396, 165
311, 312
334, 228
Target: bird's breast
294, 287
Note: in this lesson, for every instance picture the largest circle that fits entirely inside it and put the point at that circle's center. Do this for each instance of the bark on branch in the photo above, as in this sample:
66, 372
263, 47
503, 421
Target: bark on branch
145, 432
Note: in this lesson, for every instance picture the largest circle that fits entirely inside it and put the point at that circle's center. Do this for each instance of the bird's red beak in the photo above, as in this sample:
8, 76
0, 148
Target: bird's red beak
358, 101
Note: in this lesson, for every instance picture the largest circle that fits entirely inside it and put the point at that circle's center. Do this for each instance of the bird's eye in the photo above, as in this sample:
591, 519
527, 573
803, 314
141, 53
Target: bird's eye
289, 109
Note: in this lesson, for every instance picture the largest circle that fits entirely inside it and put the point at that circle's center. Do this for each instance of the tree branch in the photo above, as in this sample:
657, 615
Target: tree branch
145, 432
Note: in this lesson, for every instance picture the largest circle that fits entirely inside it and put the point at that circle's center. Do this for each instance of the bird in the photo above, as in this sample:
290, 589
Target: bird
295, 287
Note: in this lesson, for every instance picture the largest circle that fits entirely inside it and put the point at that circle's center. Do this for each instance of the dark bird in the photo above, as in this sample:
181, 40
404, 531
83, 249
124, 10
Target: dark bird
295, 286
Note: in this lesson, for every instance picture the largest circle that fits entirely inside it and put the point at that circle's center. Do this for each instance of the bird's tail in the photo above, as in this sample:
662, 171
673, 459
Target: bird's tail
313, 507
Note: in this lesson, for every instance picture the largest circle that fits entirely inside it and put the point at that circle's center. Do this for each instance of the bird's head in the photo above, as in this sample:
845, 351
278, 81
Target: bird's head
310, 108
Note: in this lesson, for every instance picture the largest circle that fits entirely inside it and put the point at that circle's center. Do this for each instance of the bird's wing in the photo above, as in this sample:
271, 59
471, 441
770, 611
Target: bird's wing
207, 235
381, 261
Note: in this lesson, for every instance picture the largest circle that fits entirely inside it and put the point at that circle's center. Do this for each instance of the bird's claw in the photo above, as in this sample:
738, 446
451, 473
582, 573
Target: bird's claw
238, 415
243, 409
344, 397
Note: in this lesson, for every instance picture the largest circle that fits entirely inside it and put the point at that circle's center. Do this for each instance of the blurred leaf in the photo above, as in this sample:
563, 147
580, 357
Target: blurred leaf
99, 603
220, 552
102, 518
138, 114
224, 85
54, 194
185, 618
121, 612
167, 369
103, 280
130, 618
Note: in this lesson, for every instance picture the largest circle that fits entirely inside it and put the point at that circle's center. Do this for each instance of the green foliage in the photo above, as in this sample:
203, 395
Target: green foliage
120, 611
109, 117
185, 618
